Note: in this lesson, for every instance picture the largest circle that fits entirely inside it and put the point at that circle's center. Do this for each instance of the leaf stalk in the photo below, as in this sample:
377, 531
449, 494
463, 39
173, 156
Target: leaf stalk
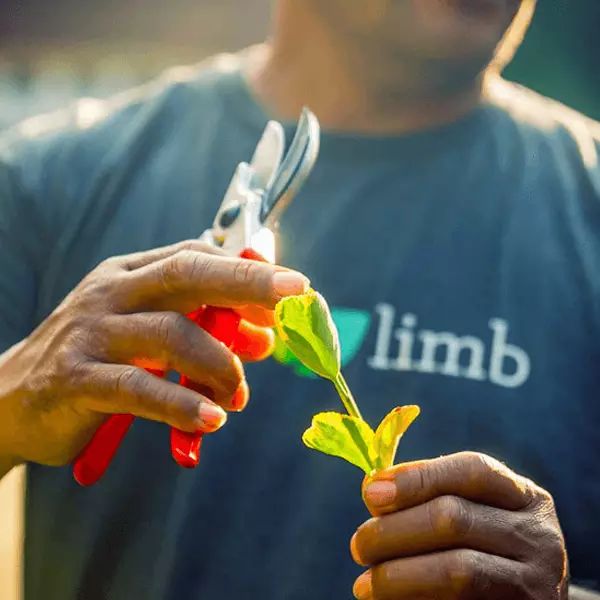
346, 396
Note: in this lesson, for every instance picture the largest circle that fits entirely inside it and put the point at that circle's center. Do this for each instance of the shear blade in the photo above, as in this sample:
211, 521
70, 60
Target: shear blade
295, 168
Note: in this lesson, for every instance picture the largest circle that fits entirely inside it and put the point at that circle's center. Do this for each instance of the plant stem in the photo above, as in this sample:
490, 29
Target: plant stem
346, 396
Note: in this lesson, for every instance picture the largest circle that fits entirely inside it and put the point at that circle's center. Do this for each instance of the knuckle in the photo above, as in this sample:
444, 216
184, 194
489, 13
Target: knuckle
182, 266
199, 266
59, 381
173, 270
175, 407
480, 467
171, 328
186, 413
247, 272
131, 381
543, 497
425, 479
111, 264
243, 272
461, 572
450, 516
172, 409
66, 360
91, 336
79, 373
100, 290
477, 461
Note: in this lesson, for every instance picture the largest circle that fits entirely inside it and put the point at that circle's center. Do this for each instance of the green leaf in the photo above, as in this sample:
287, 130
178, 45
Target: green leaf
342, 436
305, 325
388, 435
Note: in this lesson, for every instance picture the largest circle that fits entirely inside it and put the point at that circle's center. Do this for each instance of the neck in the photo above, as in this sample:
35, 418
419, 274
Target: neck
290, 72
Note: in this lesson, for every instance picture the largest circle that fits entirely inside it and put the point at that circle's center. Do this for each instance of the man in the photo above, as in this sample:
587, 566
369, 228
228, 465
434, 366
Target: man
451, 221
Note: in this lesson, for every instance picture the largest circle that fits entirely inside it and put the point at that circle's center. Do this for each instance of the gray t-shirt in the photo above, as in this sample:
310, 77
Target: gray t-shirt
463, 267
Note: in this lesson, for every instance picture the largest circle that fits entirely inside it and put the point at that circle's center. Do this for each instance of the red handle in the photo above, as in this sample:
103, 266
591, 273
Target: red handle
94, 460
92, 463
223, 324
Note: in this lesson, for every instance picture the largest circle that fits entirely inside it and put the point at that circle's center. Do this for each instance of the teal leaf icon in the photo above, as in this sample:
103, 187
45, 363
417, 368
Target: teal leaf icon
352, 326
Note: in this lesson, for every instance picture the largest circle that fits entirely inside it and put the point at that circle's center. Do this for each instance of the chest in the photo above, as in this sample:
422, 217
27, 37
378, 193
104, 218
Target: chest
454, 297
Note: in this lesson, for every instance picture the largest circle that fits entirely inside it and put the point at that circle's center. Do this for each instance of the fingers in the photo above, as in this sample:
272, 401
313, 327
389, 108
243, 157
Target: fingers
470, 475
446, 523
170, 341
116, 389
141, 259
257, 315
185, 280
253, 343
464, 574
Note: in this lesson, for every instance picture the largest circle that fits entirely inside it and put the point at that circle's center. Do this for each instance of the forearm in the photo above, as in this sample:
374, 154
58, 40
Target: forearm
577, 593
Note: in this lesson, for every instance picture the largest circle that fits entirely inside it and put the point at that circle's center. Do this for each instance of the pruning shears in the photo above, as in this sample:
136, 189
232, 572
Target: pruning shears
244, 226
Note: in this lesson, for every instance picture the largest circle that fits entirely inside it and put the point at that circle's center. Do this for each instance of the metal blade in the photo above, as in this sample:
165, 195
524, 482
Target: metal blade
295, 169
269, 154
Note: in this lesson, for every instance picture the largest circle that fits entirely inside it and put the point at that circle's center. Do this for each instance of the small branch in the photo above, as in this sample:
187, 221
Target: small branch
346, 396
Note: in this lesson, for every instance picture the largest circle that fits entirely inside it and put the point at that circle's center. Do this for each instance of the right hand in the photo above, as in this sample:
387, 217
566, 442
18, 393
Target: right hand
84, 362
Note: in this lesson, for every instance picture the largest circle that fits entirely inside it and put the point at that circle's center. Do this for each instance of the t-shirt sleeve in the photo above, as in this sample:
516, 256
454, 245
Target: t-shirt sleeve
46, 166
19, 234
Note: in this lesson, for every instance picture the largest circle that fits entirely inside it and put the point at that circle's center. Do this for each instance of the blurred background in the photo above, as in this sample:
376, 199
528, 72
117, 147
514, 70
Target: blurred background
52, 51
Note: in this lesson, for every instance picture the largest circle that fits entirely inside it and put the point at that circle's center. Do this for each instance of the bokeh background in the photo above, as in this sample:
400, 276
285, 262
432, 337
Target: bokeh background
52, 51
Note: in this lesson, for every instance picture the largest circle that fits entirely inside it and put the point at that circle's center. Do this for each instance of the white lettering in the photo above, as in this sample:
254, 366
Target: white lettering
454, 345
502, 351
405, 336
380, 360
447, 353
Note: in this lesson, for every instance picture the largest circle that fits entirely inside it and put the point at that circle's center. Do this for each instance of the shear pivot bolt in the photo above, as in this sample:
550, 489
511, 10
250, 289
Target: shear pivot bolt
229, 216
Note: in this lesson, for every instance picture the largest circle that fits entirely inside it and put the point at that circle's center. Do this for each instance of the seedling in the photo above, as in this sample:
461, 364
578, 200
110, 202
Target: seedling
305, 326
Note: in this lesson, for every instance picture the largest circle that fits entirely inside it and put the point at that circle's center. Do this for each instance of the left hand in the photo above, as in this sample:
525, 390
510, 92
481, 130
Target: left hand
460, 527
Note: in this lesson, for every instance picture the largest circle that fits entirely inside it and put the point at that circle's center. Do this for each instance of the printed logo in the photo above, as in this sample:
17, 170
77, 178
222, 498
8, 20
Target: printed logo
352, 326
445, 353
408, 348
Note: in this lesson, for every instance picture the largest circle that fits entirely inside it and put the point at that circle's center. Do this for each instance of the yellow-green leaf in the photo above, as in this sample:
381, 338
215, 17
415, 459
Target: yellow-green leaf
342, 436
388, 434
305, 325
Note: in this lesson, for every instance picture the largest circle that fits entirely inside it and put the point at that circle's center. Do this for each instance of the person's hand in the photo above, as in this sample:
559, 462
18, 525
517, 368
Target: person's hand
461, 527
84, 362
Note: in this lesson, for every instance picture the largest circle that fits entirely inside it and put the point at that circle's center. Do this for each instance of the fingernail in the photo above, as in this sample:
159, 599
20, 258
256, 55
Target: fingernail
362, 589
380, 494
241, 397
212, 416
290, 283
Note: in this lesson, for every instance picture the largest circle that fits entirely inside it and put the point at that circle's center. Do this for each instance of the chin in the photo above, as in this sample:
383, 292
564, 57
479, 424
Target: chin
464, 27
484, 9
